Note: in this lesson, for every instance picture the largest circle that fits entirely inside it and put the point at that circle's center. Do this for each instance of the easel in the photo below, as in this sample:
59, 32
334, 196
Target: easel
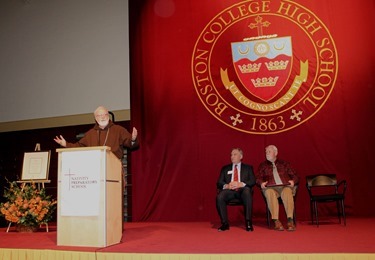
38, 182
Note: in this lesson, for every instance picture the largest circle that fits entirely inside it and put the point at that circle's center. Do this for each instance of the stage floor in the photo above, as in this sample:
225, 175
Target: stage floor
357, 236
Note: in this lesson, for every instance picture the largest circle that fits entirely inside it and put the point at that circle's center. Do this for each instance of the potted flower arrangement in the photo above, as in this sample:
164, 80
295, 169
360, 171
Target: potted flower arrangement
26, 206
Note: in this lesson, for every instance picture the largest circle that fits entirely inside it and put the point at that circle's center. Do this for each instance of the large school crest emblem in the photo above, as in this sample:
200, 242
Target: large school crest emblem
264, 67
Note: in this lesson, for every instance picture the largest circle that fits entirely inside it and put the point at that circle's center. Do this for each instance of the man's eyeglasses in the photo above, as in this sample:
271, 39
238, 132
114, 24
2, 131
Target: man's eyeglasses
101, 115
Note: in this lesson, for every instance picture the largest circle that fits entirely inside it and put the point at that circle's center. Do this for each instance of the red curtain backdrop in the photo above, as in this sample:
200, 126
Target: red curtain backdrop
184, 143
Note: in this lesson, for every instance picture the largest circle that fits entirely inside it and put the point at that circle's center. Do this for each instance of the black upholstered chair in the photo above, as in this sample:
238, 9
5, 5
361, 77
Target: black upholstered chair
324, 188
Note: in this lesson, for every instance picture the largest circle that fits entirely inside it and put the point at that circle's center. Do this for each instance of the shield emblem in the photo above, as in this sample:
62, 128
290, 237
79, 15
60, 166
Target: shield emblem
263, 66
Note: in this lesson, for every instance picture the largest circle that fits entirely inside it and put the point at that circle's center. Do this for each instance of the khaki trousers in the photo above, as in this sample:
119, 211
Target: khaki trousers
273, 193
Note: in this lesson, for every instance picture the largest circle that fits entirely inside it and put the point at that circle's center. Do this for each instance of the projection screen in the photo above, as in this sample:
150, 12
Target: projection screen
59, 60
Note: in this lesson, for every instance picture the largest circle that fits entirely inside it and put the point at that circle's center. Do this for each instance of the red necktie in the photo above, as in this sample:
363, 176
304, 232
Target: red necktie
235, 176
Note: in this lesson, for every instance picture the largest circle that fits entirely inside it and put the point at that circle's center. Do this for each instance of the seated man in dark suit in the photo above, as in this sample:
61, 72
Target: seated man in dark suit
236, 181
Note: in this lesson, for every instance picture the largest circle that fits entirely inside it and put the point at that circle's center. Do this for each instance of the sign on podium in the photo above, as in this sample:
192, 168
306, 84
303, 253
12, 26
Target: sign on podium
89, 208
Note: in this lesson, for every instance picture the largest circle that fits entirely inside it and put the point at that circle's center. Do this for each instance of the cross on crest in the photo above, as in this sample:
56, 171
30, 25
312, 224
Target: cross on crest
236, 119
296, 115
259, 25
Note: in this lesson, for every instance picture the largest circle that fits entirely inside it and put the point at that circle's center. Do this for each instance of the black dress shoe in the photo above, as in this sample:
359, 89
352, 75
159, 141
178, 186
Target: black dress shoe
249, 226
223, 227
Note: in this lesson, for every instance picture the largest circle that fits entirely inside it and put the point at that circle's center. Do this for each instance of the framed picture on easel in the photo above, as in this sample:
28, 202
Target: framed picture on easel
35, 166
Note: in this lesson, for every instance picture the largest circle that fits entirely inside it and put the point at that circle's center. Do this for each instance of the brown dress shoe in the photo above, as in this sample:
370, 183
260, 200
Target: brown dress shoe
291, 226
278, 226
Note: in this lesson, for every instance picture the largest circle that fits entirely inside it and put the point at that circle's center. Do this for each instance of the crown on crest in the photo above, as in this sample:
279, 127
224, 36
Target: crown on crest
265, 82
249, 68
277, 65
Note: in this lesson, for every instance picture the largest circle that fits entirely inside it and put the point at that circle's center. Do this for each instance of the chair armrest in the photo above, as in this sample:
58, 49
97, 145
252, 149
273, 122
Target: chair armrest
343, 184
309, 189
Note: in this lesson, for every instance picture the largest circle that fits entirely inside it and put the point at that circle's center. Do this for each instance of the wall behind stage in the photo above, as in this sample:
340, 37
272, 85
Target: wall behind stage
185, 139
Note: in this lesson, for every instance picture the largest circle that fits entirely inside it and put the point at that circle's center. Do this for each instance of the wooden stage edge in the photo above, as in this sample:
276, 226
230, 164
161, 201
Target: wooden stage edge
20, 254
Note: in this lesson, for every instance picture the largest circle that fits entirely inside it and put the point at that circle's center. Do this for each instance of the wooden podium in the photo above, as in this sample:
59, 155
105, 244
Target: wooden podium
89, 198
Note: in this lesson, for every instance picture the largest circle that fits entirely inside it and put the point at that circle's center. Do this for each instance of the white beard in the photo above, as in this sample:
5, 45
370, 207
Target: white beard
103, 123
